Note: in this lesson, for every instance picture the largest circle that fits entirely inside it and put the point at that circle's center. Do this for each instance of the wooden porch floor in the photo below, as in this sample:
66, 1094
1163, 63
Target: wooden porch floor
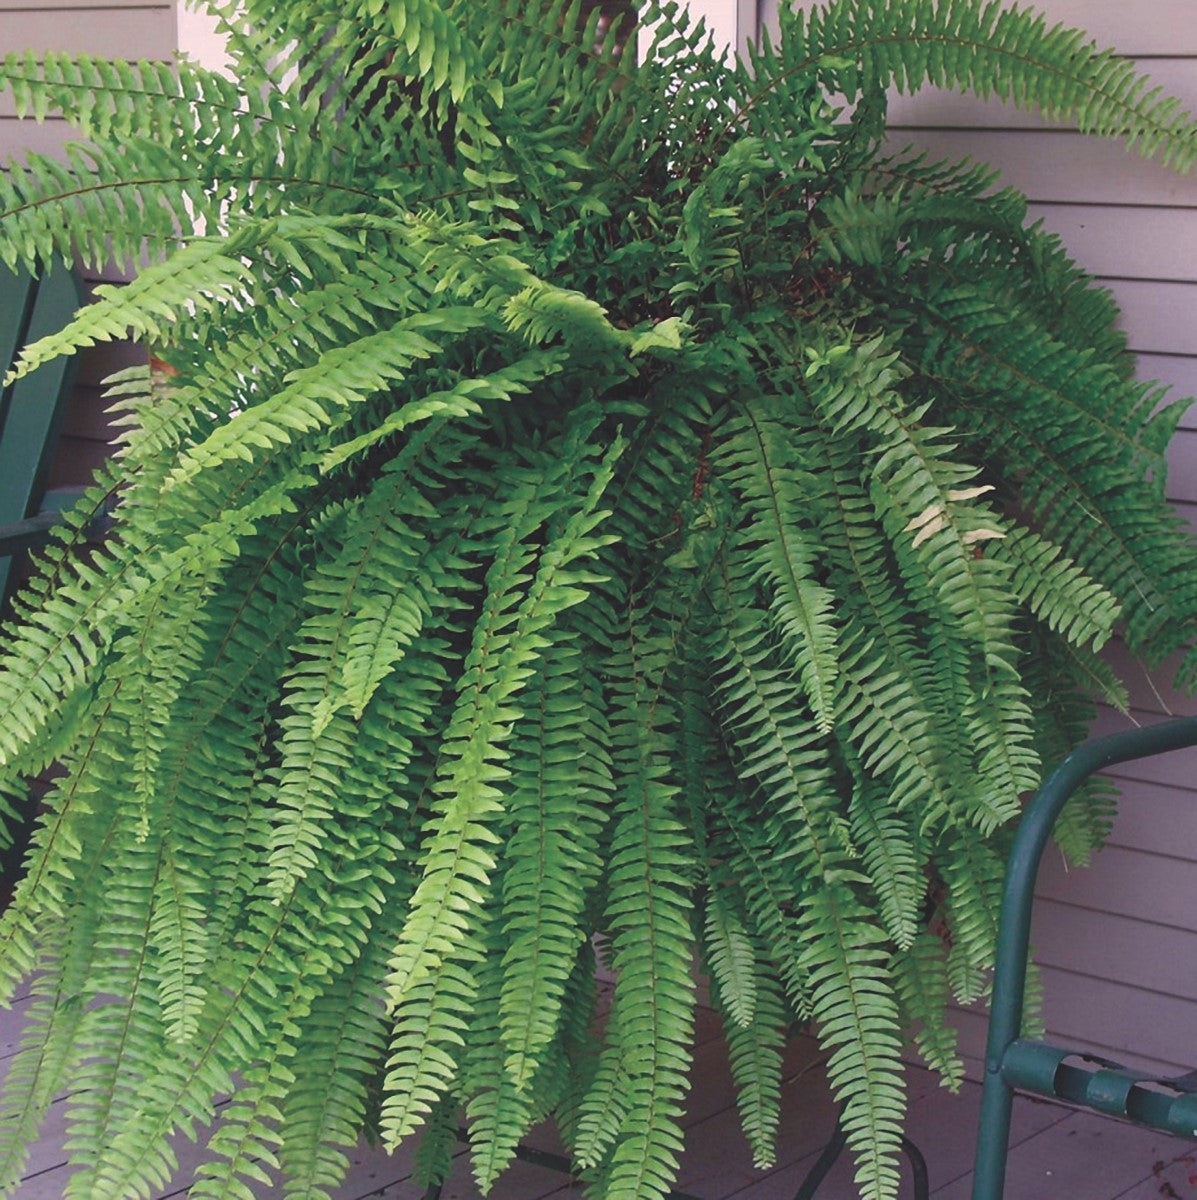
1057, 1154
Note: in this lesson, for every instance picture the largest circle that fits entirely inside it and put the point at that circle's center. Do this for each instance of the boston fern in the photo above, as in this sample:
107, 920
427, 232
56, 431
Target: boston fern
582, 498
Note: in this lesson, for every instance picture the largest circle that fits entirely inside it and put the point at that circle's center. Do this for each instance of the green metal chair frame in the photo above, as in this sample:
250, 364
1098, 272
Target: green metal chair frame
1026, 1065
31, 410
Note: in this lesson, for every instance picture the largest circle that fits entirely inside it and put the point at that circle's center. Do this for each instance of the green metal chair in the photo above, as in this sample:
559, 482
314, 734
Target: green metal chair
32, 409
1014, 1063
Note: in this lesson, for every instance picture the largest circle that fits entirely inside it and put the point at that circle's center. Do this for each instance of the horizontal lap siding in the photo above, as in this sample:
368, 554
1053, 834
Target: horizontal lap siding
110, 29
102, 30
1118, 941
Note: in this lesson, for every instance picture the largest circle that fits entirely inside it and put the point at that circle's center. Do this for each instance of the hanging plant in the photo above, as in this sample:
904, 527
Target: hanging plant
580, 498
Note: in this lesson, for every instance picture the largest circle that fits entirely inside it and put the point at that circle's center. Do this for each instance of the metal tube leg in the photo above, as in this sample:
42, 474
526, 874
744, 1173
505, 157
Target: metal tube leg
918, 1170
826, 1160
993, 1137
835, 1147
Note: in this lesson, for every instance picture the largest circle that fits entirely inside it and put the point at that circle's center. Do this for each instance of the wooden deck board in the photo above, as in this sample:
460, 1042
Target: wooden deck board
1168, 1180
1083, 1156
46, 1185
942, 1124
48, 1152
12, 1021
1056, 1154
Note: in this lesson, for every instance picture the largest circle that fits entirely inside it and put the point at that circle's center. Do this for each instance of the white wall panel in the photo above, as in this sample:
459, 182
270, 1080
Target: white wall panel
103, 30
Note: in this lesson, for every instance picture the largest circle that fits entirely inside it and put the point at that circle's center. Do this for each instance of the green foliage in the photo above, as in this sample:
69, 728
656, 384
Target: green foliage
583, 498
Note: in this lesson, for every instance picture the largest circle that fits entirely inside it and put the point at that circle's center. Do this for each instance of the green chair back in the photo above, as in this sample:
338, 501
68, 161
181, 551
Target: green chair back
31, 410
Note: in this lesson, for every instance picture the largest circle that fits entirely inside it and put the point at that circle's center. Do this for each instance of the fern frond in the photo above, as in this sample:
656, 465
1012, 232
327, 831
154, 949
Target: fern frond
1057, 592
340, 1042
755, 1050
207, 273
922, 978
732, 962
972, 872
344, 376
456, 863
648, 911
38, 1070
989, 50
889, 849
857, 1014
601, 1111
561, 780
500, 1109
772, 485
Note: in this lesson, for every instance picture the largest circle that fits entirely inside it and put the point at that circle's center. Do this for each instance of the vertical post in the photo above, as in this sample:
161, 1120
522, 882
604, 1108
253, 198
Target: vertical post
993, 1135
747, 23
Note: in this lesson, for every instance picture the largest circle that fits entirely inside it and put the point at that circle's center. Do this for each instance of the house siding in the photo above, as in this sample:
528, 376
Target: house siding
1117, 942
115, 28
